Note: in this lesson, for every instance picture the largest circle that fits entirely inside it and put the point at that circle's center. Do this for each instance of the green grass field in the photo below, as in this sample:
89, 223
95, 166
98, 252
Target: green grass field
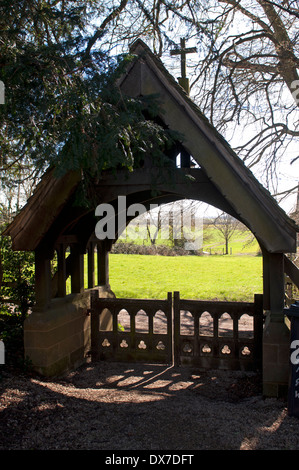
236, 277
232, 278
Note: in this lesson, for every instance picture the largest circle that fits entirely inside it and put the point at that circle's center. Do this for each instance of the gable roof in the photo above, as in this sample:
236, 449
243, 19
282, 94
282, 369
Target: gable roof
146, 75
250, 200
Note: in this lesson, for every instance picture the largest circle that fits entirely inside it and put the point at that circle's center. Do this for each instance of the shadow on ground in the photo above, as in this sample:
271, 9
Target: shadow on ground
104, 406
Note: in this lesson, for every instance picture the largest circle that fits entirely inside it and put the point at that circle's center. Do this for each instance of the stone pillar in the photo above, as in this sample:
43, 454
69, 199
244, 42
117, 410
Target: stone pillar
276, 338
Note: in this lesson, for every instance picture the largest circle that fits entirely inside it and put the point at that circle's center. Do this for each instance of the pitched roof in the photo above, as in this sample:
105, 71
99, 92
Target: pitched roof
50, 196
250, 200
254, 205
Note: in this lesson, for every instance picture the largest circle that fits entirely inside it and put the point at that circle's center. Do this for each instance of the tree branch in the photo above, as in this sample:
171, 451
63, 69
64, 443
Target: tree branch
101, 30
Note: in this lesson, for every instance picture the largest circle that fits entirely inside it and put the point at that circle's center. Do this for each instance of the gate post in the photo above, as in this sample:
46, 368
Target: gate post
170, 341
276, 335
94, 325
176, 328
258, 321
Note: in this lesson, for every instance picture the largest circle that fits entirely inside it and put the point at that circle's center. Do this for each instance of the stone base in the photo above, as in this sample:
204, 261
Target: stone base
276, 359
57, 340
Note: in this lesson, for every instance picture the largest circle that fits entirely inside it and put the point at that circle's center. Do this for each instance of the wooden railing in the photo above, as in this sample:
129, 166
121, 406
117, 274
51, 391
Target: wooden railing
224, 347
221, 344
133, 345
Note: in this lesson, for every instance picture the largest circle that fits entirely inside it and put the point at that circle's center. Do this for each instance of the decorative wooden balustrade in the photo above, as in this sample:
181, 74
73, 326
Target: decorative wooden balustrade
211, 335
225, 335
132, 341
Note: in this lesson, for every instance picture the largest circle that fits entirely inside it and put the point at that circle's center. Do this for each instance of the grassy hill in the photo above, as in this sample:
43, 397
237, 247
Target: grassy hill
232, 278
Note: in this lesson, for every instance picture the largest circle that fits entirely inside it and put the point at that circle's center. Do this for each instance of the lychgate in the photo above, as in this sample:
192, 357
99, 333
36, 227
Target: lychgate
57, 333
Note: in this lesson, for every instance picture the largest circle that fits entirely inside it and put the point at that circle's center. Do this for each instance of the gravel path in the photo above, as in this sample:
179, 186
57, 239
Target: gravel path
104, 406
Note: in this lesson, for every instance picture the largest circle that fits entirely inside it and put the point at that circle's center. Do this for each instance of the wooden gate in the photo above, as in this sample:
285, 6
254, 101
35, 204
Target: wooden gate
131, 342
224, 335
210, 335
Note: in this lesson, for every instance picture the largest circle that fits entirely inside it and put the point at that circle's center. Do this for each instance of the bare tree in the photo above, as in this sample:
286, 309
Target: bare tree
185, 223
153, 224
249, 81
227, 226
244, 75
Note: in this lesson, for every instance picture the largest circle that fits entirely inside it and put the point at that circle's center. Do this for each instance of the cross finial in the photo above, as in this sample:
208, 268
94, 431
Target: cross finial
183, 51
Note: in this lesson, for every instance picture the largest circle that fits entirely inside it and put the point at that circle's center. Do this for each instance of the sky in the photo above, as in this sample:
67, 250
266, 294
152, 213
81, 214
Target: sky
287, 173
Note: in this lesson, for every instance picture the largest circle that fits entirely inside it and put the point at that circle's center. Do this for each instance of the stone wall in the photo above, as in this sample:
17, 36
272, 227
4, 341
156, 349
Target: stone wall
276, 358
58, 339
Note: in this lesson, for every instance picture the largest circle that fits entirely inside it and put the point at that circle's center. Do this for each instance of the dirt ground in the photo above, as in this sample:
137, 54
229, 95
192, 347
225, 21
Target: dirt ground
143, 407
118, 406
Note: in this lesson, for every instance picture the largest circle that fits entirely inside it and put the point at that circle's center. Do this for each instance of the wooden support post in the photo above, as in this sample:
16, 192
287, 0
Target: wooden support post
266, 280
276, 282
61, 271
258, 321
273, 284
103, 264
91, 278
77, 270
185, 159
196, 335
42, 280
94, 326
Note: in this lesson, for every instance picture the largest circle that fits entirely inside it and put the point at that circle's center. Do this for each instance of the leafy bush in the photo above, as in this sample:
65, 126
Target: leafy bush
11, 333
18, 277
16, 300
162, 250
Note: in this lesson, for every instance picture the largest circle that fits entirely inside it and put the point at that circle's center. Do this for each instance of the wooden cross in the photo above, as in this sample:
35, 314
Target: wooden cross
182, 52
